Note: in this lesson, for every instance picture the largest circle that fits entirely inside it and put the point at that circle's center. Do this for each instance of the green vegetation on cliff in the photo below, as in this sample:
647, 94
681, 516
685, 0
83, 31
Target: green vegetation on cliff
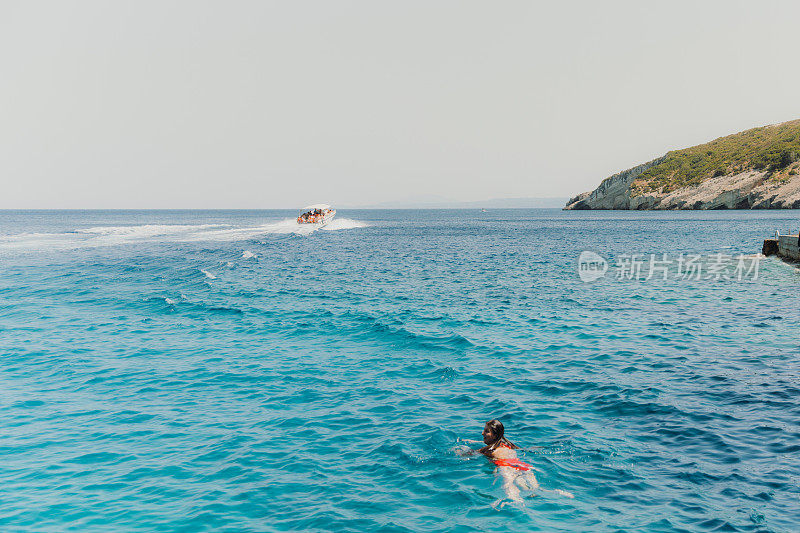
771, 149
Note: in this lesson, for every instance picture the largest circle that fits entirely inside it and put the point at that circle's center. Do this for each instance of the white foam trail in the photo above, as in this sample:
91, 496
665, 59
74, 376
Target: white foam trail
116, 235
147, 230
37, 241
343, 223
208, 274
285, 226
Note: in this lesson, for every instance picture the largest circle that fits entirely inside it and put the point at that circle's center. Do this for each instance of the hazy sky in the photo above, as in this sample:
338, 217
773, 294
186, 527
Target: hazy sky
278, 104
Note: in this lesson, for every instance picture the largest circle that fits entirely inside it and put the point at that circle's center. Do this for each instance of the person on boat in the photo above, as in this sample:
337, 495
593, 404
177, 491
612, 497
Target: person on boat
515, 474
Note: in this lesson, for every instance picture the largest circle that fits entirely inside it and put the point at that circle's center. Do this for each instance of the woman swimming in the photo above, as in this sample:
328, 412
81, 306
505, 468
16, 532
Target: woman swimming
515, 473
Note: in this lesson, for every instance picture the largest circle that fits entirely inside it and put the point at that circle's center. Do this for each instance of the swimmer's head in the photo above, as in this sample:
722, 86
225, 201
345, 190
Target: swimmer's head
494, 434
493, 431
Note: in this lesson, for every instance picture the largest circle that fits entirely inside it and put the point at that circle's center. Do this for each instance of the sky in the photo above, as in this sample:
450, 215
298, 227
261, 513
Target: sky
194, 104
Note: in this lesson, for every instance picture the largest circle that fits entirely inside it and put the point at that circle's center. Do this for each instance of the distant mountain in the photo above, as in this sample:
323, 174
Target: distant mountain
443, 203
755, 169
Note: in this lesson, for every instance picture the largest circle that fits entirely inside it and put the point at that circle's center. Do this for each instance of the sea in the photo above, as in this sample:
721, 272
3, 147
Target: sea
233, 371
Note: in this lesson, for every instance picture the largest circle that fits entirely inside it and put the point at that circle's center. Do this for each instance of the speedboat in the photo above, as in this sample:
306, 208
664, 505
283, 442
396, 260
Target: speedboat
317, 214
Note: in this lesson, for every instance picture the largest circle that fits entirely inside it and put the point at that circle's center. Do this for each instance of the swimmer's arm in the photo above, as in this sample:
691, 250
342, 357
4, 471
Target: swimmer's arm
465, 451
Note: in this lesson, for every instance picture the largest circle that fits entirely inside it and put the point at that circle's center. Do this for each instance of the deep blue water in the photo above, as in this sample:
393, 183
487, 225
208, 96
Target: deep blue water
221, 371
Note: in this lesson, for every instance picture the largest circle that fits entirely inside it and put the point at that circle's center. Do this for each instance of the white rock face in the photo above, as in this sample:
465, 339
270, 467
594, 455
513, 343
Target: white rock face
746, 190
613, 192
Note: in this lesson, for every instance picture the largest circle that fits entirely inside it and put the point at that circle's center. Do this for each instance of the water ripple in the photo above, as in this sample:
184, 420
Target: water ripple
216, 371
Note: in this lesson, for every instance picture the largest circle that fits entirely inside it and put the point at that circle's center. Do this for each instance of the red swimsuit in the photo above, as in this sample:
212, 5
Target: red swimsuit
513, 463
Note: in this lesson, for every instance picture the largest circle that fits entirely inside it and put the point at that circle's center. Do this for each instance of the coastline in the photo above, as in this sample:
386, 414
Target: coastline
757, 168
745, 190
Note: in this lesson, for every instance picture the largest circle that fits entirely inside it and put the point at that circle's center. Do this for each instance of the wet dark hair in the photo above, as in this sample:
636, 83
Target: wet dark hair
498, 430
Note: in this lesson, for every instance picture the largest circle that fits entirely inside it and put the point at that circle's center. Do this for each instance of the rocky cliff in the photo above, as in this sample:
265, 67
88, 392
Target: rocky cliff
754, 169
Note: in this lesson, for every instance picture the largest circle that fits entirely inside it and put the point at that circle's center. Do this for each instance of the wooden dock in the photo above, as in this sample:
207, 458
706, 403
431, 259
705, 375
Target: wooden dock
784, 246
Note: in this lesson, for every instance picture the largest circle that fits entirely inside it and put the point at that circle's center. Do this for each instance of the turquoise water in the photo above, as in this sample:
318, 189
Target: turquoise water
223, 371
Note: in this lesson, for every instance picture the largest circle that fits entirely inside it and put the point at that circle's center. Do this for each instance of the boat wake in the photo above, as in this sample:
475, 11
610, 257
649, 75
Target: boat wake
343, 223
120, 235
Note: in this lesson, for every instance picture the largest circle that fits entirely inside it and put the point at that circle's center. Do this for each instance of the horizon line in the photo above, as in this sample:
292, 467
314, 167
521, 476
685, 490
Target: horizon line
254, 208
